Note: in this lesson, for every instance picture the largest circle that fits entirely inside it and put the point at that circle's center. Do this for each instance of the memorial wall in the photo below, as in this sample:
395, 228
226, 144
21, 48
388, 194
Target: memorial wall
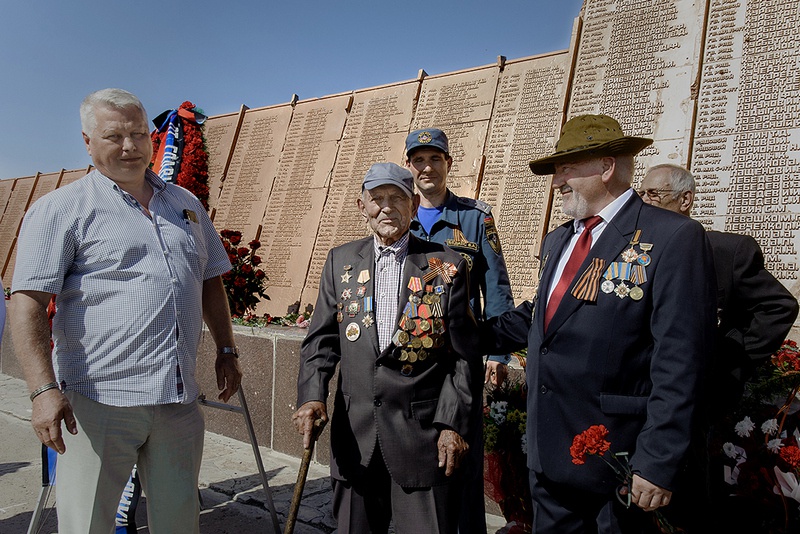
716, 84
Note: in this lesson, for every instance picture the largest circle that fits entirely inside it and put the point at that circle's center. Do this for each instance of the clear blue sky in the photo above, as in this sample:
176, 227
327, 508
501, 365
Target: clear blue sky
222, 54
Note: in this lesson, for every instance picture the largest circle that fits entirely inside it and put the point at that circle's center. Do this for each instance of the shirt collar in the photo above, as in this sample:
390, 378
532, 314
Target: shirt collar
400, 246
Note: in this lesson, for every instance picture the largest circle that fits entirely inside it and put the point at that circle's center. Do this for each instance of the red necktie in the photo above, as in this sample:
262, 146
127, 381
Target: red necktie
579, 254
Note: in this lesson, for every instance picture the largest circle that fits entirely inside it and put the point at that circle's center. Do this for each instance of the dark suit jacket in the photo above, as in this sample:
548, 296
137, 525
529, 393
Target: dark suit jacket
635, 366
755, 314
374, 402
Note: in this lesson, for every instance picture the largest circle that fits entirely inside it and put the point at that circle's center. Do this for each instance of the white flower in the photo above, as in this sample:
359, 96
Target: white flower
524, 443
745, 427
787, 484
497, 411
774, 445
770, 427
729, 449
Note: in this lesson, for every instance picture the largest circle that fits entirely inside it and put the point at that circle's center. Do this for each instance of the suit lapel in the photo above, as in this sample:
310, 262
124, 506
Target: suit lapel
615, 238
366, 262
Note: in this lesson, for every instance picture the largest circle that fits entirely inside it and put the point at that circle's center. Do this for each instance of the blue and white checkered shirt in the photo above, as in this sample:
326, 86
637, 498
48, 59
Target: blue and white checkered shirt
389, 261
129, 288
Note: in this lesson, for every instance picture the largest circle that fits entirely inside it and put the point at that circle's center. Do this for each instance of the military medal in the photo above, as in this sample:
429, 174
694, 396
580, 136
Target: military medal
347, 294
352, 308
421, 354
339, 316
644, 257
621, 290
427, 342
607, 286
367, 321
346, 276
438, 290
403, 355
415, 284
362, 290
406, 370
630, 255
412, 356
636, 293
353, 331
363, 277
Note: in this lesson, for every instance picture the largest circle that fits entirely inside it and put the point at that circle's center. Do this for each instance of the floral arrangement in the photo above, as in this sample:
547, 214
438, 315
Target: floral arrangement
193, 169
245, 282
300, 320
505, 461
593, 442
759, 446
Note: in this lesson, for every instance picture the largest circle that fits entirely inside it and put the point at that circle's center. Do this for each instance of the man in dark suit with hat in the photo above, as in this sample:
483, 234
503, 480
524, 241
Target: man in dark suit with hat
619, 336
393, 316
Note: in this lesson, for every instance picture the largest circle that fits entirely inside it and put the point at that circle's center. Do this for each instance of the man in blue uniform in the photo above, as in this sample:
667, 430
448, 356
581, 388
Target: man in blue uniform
465, 225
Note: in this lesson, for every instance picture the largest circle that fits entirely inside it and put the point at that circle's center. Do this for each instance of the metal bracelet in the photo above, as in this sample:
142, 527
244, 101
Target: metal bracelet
41, 389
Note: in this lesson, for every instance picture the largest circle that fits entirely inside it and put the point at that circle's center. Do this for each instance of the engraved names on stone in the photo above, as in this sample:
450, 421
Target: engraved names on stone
219, 133
525, 124
637, 61
291, 221
252, 169
375, 131
461, 105
747, 146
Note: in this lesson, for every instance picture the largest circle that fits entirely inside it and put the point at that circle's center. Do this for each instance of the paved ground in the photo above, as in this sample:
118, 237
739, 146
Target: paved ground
230, 486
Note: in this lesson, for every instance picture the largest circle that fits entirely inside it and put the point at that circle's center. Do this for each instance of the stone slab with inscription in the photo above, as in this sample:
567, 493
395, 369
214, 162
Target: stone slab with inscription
252, 170
375, 131
290, 223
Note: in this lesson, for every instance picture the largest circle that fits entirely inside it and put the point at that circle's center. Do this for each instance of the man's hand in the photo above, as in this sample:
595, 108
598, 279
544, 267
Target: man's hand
49, 409
305, 416
452, 448
647, 495
229, 375
496, 373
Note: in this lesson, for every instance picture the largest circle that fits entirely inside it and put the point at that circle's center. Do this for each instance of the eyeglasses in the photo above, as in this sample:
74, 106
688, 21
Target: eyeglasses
654, 194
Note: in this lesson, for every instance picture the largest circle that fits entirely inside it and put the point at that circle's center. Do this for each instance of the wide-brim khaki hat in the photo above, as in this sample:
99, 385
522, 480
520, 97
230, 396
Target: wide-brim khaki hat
587, 136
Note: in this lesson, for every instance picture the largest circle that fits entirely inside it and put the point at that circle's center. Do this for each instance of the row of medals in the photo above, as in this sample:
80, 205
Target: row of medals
420, 328
354, 307
632, 269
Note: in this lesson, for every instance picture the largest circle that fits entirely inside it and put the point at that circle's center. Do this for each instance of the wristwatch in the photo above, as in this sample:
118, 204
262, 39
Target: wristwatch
229, 350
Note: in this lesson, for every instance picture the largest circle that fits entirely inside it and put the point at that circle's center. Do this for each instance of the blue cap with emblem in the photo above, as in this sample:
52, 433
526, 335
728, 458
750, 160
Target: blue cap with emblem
389, 174
427, 138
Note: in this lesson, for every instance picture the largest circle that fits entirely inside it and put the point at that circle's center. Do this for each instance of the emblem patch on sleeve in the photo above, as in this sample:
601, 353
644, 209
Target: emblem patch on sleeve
491, 234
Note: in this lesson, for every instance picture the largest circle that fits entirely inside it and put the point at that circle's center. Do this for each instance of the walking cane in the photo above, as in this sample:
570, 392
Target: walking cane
316, 430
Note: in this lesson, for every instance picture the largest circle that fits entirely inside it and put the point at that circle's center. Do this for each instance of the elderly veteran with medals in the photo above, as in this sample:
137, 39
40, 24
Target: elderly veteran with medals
393, 315
619, 336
